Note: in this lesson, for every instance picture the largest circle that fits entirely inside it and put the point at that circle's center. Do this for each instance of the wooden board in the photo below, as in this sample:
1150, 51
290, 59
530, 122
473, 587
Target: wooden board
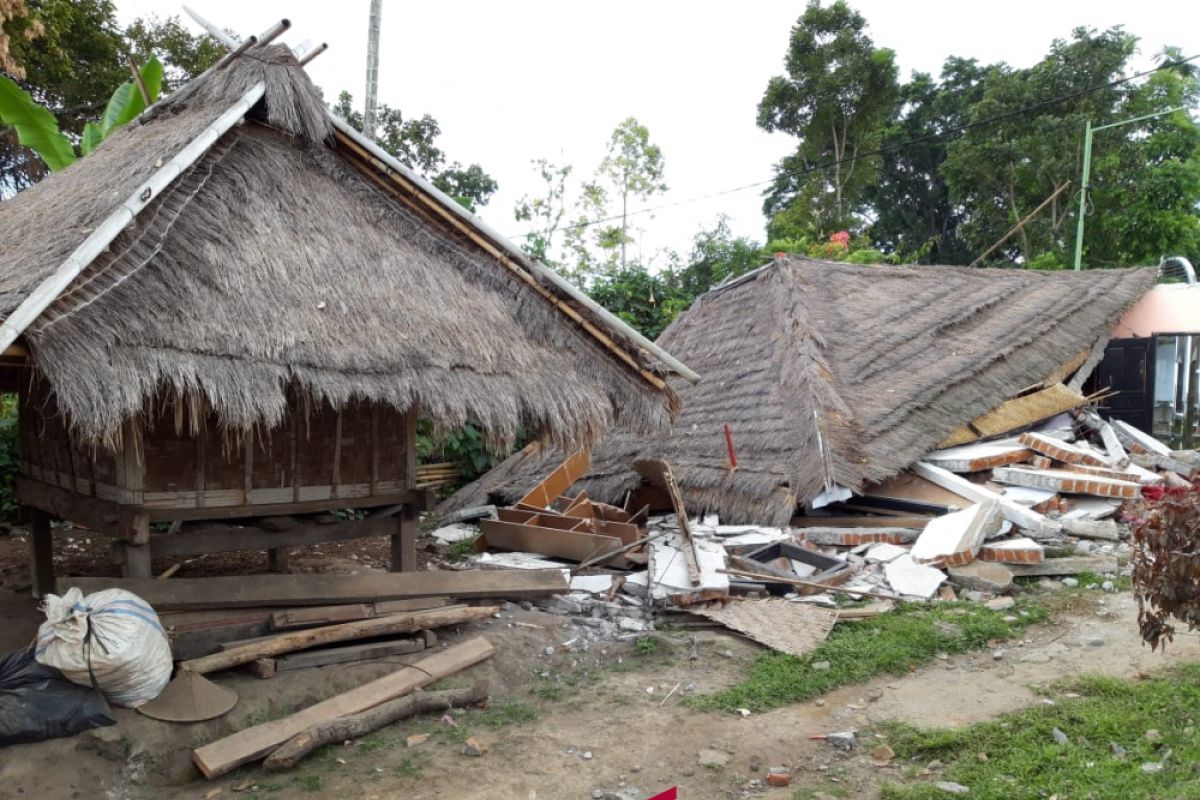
184, 594
343, 655
222, 538
559, 480
907, 486
252, 743
1013, 415
572, 545
326, 615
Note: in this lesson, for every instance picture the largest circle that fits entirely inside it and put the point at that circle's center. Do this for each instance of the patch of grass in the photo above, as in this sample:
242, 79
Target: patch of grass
411, 767
501, 715
893, 643
1123, 583
810, 792
310, 783
548, 691
458, 551
646, 646
1024, 762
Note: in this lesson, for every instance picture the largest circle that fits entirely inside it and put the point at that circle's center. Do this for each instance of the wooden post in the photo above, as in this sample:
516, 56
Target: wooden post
277, 559
41, 552
404, 541
137, 551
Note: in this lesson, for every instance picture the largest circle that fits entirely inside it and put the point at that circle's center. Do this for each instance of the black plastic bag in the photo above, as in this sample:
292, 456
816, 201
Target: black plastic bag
37, 702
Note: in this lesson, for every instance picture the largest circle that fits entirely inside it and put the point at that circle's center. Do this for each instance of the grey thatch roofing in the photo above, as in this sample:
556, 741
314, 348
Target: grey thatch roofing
274, 262
842, 374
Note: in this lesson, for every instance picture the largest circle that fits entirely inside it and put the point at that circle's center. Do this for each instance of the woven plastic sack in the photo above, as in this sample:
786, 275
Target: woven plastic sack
111, 640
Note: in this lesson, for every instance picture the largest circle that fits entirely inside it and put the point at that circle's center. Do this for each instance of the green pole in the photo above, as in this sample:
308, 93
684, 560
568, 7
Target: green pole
1083, 187
1087, 169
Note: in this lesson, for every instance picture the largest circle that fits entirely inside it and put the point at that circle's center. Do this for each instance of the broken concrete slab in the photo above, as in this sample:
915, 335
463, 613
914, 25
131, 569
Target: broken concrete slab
1021, 550
1031, 521
1028, 496
1112, 444
983, 576
1138, 441
955, 538
1060, 450
852, 537
980, 457
1064, 481
884, 552
1104, 529
671, 579
1097, 565
516, 561
457, 532
908, 578
1091, 508
593, 584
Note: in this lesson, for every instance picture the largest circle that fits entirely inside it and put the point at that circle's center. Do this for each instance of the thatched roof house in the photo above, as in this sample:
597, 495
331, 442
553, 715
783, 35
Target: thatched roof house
288, 253
839, 374
237, 261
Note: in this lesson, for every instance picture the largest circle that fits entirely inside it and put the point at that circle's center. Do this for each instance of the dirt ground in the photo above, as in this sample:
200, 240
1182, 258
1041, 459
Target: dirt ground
588, 722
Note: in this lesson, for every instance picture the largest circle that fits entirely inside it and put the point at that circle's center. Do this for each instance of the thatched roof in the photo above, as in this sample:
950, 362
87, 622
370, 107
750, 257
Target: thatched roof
284, 258
842, 374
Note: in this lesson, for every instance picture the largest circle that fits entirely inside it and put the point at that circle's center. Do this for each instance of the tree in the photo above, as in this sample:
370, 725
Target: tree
412, 143
633, 168
717, 255
183, 54
838, 94
545, 212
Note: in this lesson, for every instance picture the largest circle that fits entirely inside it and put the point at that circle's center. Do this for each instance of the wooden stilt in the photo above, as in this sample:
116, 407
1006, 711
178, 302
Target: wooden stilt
277, 559
404, 541
41, 552
137, 556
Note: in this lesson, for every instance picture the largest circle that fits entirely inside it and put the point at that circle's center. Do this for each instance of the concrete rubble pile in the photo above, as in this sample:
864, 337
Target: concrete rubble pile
962, 523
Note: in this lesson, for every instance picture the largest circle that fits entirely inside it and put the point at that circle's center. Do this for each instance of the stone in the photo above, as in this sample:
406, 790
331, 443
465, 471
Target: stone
1001, 603
951, 787
844, 740
1153, 736
1108, 586
1060, 737
779, 776
883, 753
1151, 767
630, 624
821, 666
955, 538
1117, 750
712, 758
473, 747
907, 577
1094, 640
984, 576
1070, 583
416, 739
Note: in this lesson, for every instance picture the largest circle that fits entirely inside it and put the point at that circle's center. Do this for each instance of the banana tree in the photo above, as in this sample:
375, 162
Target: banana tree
38, 130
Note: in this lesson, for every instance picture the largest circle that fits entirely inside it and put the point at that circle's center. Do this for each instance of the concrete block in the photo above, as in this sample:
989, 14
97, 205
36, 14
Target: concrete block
955, 538
980, 457
907, 577
983, 576
1061, 451
1021, 550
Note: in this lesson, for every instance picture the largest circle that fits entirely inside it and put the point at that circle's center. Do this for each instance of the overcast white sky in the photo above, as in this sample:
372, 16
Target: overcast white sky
523, 79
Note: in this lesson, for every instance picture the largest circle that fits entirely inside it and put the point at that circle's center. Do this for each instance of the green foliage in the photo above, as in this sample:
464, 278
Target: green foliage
458, 551
892, 644
412, 142
127, 102
9, 456
1024, 762
36, 127
646, 646
838, 94
183, 54
544, 211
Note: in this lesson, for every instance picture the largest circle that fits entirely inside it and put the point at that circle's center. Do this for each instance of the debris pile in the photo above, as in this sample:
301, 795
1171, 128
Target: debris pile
965, 520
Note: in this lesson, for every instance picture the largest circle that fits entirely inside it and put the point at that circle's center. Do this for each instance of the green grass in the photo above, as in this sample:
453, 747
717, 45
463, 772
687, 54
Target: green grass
646, 646
458, 551
893, 643
1025, 763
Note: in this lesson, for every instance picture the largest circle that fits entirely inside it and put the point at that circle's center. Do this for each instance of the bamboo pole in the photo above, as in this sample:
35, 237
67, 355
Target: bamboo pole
1021, 224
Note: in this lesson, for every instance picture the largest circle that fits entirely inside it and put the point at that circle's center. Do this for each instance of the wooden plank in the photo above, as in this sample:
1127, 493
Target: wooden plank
99, 515
227, 538
1066, 566
325, 615
236, 591
545, 541
409, 622
1017, 413
1027, 518
249, 744
164, 514
558, 481
349, 653
404, 540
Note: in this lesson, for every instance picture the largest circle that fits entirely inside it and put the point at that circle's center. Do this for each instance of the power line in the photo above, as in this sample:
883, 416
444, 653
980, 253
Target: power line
887, 149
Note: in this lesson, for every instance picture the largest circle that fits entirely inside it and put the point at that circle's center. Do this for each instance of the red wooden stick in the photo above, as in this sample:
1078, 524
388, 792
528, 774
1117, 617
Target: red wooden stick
729, 444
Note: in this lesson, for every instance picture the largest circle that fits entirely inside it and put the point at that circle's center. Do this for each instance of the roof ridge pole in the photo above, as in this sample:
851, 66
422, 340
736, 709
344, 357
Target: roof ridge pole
213, 30
49, 289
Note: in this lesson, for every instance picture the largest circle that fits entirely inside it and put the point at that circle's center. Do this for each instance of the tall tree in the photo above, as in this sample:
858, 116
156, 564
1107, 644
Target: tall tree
633, 168
839, 92
412, 141
544, 211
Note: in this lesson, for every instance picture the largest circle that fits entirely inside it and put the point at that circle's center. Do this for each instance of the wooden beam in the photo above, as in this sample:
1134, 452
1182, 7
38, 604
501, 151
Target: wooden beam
1013, 415
575, 546
100, 515
228, 538
423, 500
328, 656
390, 625
327, 615
252, 743
188, 594
41, 553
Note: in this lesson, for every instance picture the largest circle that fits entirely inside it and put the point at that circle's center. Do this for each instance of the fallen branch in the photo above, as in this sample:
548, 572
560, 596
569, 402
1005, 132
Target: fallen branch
288, 754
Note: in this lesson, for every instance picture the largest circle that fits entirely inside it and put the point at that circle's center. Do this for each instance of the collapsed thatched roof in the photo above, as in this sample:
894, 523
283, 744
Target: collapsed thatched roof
283, 258
842, 374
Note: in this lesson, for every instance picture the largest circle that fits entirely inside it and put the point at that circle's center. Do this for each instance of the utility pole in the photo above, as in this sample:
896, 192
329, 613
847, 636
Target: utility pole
372, 68
1088, 131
